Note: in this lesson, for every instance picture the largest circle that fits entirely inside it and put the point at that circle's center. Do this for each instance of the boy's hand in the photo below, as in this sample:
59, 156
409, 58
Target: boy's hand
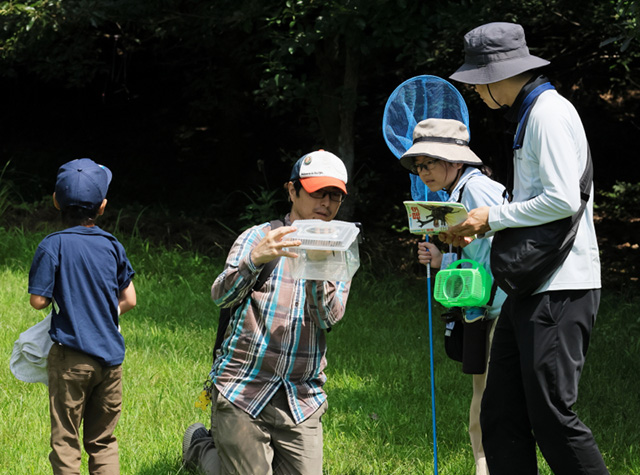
273, 246
39, 302
127, 299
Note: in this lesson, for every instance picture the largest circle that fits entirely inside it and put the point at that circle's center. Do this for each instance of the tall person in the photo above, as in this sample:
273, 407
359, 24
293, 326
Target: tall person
541, 340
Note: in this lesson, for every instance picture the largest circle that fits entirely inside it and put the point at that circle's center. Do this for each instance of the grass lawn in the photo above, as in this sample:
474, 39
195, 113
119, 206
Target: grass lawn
379, 417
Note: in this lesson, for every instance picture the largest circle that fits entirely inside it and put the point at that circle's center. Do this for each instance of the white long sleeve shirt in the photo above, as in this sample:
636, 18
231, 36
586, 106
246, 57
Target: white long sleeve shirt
547, 175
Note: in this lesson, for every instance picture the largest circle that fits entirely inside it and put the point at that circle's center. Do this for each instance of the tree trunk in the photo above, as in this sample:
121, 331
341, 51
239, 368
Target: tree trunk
339, 67
346, 137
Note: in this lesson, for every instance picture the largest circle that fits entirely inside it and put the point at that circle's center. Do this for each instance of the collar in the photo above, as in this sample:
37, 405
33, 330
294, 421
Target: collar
80, 229
92, 231
513, 114
527, 96
469, 173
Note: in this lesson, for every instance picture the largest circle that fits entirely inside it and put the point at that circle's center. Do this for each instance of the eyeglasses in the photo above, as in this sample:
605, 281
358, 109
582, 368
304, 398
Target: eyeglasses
336, 196
427, 166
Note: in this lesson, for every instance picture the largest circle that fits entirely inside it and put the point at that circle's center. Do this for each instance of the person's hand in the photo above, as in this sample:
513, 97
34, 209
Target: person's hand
477, 222
273, 246
457, 241
428, 253
38, 301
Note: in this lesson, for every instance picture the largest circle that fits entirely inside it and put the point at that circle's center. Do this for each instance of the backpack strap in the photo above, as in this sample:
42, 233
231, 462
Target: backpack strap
494, 284
459, 249
266, 271
585, 180
226, 313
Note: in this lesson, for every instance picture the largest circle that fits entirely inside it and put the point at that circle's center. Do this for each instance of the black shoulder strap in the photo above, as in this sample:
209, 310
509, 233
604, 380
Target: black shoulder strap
459, 250
225, 313
266, 271
585, 192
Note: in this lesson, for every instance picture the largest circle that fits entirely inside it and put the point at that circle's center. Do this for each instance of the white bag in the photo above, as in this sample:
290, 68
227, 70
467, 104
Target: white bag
29, 358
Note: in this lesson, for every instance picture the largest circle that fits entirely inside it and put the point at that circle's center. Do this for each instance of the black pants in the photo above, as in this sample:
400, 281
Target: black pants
537, 356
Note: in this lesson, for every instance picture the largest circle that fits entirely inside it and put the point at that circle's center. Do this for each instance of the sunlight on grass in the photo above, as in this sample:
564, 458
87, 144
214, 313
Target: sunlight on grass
379, 416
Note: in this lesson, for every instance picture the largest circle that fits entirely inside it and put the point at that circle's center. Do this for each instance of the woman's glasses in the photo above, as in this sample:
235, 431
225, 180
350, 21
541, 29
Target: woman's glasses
427, 166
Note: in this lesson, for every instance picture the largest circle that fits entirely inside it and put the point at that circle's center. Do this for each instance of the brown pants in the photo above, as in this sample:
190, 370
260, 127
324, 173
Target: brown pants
80, 388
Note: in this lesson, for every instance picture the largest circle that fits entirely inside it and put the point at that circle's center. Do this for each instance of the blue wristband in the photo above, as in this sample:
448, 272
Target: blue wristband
473, 314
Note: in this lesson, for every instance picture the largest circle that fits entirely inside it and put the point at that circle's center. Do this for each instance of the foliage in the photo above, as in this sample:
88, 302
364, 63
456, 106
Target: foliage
48, 33
300, 45
627, 16
320, 53
179, 87
621, 202
264, 205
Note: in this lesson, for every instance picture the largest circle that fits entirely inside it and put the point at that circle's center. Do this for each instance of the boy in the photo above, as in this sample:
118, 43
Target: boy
85, 273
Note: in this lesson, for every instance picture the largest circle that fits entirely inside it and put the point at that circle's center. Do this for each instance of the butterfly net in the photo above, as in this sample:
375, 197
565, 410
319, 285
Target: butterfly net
417, 99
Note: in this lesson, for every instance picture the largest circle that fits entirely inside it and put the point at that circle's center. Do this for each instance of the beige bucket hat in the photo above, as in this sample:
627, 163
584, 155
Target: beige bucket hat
444, 139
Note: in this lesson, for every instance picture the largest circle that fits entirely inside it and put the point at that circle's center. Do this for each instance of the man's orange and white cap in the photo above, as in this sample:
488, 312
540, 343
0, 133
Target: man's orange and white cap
320, 169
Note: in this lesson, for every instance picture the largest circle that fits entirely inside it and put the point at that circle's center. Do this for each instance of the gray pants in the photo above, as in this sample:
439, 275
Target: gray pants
202, 453
270, 444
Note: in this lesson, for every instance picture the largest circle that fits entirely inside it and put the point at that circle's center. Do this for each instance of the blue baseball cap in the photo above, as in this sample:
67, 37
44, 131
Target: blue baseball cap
82, 183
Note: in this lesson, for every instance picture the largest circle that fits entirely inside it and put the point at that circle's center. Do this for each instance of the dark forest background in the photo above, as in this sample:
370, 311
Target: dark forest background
201, 107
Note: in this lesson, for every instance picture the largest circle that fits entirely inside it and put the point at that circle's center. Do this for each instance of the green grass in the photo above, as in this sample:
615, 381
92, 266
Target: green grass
379, 417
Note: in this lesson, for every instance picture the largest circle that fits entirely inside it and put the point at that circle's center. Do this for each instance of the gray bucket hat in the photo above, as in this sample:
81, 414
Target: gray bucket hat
444, 139
494, 52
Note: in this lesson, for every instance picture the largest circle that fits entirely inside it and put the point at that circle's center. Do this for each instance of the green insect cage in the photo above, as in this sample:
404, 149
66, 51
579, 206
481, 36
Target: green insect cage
468, 286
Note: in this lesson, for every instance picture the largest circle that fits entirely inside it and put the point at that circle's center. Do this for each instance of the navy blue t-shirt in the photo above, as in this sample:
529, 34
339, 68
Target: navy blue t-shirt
83, 269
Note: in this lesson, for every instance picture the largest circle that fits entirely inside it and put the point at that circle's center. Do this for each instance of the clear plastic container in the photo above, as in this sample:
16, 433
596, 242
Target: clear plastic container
329, 250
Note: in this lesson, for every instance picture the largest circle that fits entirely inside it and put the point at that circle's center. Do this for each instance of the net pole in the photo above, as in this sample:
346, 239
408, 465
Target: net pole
431, 368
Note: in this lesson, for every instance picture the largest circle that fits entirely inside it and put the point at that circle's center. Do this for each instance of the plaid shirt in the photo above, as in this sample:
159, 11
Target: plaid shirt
276, 335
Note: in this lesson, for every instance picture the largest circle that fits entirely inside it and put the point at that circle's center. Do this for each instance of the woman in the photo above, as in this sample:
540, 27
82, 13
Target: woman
441, 157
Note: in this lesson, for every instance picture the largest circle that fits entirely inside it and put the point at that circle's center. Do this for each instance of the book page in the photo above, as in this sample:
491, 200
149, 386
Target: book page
433, 217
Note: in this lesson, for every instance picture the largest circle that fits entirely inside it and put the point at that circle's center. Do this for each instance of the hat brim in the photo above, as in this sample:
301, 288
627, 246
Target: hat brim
314, 183
108, 172
471, 73
446, 152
